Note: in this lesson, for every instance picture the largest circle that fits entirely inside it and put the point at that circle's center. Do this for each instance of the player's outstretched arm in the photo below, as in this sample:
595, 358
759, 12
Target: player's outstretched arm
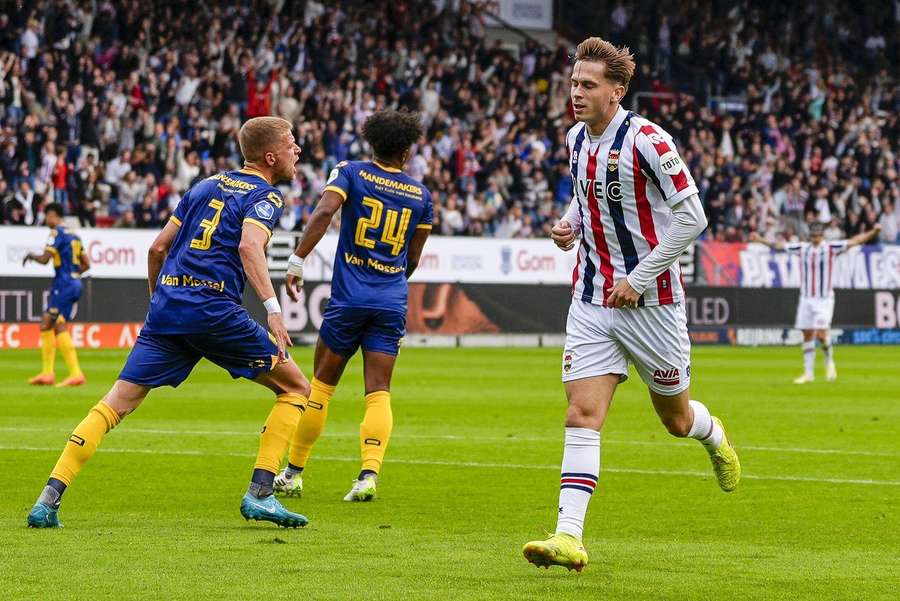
864, 237
756, 237
415, 250
253, 256
43, 259
329, 204
158, 252
688, 222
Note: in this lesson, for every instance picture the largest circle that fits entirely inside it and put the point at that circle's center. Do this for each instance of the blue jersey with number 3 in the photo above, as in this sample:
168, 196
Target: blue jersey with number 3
382, 209
201, 283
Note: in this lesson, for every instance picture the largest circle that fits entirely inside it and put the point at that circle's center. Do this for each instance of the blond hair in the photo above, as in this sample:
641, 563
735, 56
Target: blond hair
260, 135
619, 62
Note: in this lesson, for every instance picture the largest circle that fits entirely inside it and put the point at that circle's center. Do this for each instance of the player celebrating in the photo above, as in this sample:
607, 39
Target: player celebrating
816, 306
69, 262
636, 208
198, 265
385, 220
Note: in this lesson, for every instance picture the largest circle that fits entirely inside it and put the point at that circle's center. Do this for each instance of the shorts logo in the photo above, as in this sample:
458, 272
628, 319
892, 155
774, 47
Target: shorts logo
264, 210
670, 163
258, 364
687, 371
613, 160
567, 362
666, 377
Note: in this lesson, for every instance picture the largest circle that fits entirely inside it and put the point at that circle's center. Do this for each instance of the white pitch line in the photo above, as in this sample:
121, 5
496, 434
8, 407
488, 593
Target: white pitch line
250, 432
475, 464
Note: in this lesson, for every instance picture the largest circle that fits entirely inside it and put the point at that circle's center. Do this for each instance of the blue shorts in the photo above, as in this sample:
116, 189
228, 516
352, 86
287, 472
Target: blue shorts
345, 329
245, 351
62, 300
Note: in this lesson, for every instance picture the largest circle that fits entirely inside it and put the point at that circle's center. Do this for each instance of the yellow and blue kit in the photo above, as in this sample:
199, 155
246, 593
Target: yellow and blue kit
196, 308
382, 209
65, 248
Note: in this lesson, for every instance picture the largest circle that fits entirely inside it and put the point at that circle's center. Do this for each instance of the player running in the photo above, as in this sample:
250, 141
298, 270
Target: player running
385, 220
816, 306
69, 262
636, 209
198, 266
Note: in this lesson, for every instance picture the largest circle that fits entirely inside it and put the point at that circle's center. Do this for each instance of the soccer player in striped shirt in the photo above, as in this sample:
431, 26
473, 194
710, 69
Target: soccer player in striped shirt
816, 306
636, 208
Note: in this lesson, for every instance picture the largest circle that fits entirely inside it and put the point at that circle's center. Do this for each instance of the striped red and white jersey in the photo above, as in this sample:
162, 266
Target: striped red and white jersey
626, 182
816, 266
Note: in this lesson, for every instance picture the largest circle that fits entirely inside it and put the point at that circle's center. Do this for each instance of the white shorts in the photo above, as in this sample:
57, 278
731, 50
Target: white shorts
814, 313
602, 340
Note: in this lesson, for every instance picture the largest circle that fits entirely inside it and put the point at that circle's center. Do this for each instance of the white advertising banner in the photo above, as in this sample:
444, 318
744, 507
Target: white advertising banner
116, 253
525, 14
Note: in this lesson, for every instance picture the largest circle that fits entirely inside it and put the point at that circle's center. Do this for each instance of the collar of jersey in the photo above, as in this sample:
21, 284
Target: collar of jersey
388, 169
610, 132
249, 171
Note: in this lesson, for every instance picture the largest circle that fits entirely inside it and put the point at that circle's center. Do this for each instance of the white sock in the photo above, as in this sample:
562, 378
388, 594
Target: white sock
704, 428
809, 358
580, 470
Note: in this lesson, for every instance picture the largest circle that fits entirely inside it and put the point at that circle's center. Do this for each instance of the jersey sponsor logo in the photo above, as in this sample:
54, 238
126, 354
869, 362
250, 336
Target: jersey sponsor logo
656, 138
264, 209
667, 377
613, 160
670, 163
614, 191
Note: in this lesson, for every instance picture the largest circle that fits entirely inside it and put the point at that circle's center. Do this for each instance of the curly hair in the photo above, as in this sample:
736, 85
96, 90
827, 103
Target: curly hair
391, 133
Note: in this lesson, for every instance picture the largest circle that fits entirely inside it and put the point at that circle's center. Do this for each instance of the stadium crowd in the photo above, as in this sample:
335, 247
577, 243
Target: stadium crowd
786, 113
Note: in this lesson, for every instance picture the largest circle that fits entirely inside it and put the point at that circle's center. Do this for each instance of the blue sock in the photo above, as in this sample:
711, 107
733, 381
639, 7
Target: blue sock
262, 483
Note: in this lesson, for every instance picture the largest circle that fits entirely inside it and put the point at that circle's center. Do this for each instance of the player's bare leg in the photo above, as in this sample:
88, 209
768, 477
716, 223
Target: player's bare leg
824, 338
46, 377
328, 367
378, 422
809, 358
123, 398
684, 417
291, 390
589, 401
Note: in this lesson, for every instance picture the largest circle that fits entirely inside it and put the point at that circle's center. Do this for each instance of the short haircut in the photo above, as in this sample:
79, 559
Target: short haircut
391, 133
54, 207
816, 229
261, 135
619, 62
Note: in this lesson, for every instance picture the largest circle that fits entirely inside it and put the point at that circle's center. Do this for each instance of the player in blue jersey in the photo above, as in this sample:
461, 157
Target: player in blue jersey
385, 220
69, 261
198, 265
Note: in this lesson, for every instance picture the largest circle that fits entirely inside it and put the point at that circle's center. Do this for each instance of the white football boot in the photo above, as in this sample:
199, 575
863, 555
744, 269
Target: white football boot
286, 486
363, 490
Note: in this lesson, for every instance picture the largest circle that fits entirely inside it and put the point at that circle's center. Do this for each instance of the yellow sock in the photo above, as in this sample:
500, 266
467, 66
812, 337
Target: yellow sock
84, 441
311, 425
375, 429
67, 348
280, 426
48, 351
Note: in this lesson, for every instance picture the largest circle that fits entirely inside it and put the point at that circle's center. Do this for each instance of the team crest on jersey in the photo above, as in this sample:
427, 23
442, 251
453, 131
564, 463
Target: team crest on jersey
264, 209
613, 160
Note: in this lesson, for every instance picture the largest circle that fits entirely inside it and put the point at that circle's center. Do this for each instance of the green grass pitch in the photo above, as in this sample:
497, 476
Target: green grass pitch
472, 474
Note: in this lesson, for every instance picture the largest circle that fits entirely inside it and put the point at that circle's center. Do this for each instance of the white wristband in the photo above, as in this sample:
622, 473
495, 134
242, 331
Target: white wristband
271, 305
295, 265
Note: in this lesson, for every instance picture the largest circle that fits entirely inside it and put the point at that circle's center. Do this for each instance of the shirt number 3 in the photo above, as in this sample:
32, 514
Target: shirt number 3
209, 226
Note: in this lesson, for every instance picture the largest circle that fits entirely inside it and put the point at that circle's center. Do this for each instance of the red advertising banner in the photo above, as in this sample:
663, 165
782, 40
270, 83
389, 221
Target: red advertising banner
84, 335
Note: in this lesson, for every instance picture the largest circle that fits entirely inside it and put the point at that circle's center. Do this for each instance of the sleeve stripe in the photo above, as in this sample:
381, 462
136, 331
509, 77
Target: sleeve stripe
679, 179
259, 224
336, 190
175, 220
423, 226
